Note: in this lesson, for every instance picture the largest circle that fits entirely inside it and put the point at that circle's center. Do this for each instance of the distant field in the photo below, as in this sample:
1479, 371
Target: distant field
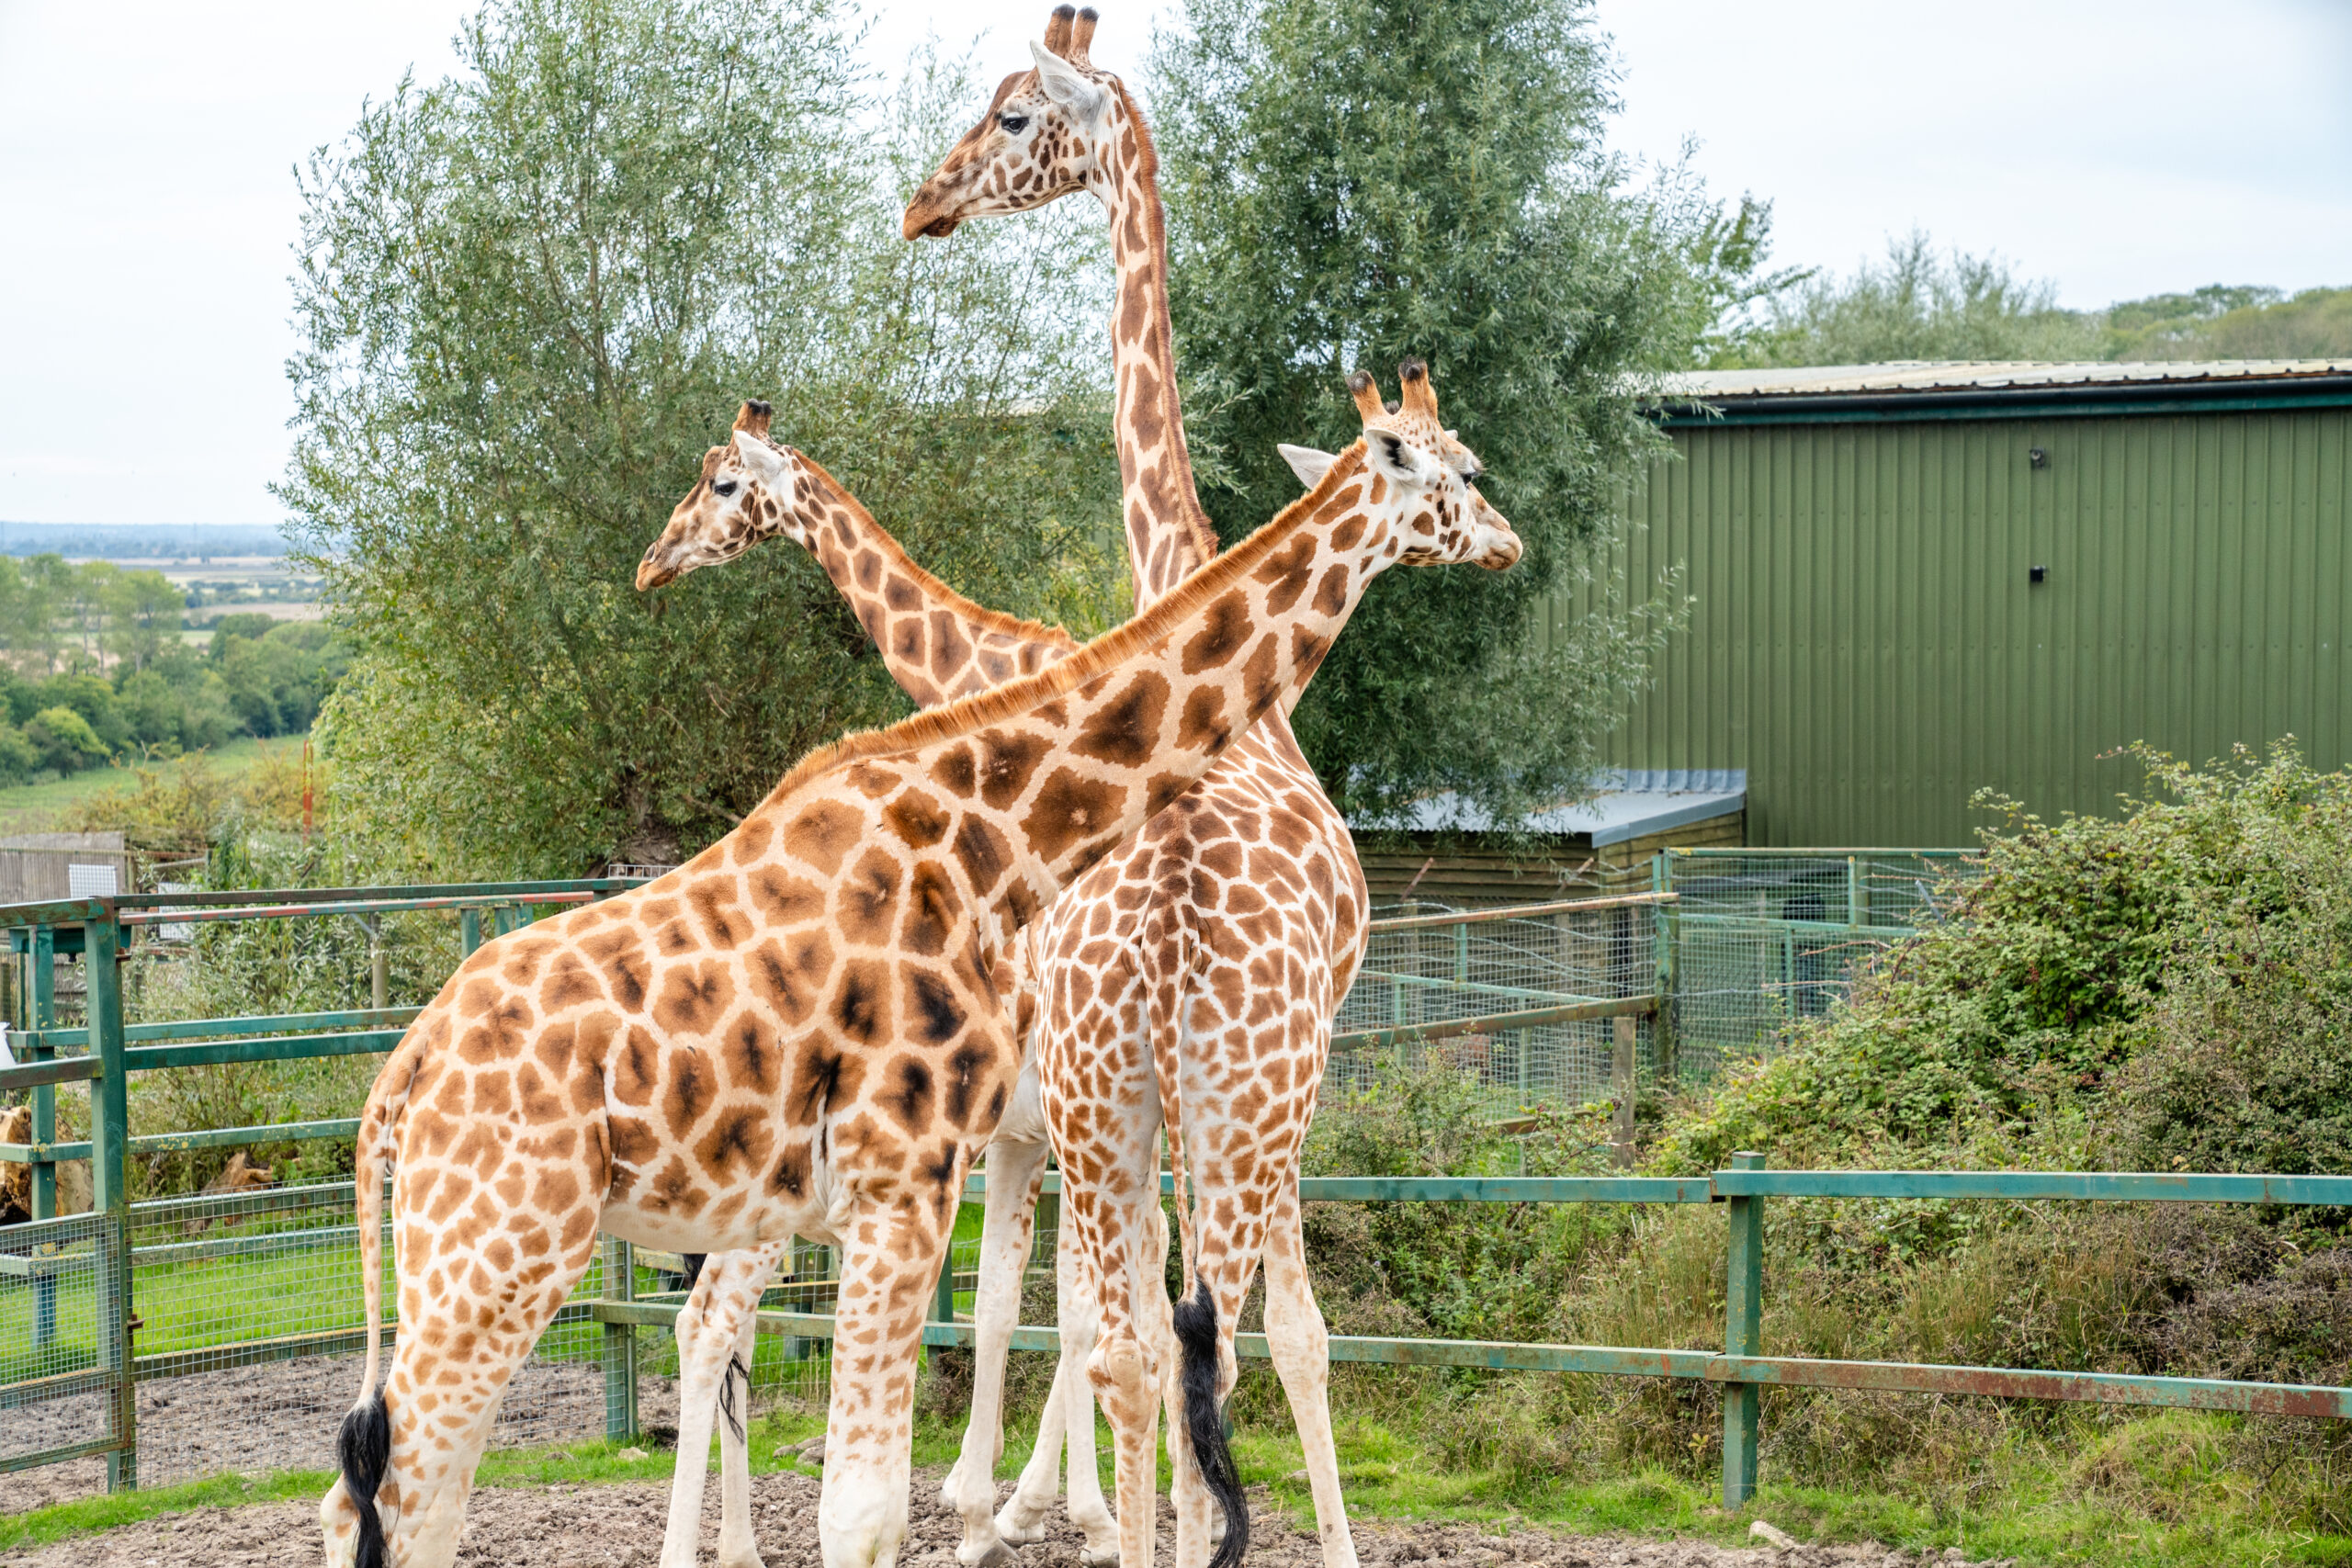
29, 808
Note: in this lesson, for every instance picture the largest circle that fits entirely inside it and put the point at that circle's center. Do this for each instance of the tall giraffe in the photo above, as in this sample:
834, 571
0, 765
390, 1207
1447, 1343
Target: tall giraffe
938, 645
1212, 1001
798, 1031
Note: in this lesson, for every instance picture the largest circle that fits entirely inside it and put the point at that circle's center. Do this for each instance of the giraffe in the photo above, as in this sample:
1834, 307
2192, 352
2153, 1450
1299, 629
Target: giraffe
1203, 1049
798, 1031
938, 645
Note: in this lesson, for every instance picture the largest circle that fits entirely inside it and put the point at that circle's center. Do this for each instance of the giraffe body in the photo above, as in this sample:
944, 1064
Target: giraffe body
801, 1030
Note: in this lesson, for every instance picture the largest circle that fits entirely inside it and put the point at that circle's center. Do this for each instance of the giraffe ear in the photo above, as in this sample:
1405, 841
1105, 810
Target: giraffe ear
1309, 464
1082, 99
765, 463
1385, 452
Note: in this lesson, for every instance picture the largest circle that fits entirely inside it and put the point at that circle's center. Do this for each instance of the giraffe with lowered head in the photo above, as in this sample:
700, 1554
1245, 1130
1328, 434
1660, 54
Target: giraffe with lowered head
799, 1031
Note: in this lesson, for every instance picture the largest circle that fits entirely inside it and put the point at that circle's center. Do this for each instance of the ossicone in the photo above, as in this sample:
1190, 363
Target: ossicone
1081, 39
1058, 28
753, 419
1366, 392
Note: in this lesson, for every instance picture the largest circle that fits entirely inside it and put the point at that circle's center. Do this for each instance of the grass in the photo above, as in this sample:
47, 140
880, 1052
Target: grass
29, 807
1387, 1476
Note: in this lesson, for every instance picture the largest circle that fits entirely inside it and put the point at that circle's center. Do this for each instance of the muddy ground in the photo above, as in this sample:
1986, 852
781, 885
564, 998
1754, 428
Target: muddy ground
281, 1415
619, 1526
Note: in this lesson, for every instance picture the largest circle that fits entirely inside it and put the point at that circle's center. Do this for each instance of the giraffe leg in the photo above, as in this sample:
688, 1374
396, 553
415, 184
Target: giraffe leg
891, 1257
1301, 1347
1014, 1171
1125, 1367
721, 1303
1068, 1414
472, 1305
737, 1547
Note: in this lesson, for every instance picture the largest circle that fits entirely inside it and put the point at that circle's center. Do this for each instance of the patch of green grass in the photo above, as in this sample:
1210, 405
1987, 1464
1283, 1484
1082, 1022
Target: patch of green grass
28, 807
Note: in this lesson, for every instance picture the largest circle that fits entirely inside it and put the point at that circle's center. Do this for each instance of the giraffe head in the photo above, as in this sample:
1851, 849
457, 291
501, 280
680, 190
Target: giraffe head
1431, 478
1050, 131
747, 491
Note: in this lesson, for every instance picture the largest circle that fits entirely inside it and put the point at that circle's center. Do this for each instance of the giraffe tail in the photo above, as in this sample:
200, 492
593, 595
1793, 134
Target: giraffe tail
1195, 1317
1196, 1340
364, 1446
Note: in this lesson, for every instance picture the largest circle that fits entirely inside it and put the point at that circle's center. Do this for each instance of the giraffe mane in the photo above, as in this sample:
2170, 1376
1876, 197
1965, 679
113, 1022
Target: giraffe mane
993, 620
1104, 654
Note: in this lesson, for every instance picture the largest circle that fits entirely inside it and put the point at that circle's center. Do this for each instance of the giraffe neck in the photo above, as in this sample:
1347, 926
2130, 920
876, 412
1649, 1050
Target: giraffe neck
1168, 535
937, 645
1030, 784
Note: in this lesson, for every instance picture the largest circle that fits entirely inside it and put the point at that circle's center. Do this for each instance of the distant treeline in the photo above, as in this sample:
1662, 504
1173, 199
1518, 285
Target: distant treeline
139, 541
95, 668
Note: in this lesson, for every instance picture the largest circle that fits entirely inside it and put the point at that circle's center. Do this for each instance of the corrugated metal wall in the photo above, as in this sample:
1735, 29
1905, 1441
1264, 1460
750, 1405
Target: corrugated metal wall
1868, 645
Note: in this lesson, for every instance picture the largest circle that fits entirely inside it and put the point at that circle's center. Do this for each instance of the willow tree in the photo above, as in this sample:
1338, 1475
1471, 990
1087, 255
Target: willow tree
532, 294
1350, 182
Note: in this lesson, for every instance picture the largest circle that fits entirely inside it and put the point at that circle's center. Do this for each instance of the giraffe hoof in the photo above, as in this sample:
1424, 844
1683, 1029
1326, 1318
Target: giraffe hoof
998, 1555
1099, 1556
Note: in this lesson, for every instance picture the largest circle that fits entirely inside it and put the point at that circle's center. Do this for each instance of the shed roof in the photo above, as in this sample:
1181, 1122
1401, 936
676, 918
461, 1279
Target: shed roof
1630, 805
1941, 389
1988, 374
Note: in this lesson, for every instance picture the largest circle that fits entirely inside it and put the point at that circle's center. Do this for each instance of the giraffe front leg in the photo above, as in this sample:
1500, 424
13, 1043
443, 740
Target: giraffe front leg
1014, 1173
737, 1549
721, 1302
890, 1259
1068, 1414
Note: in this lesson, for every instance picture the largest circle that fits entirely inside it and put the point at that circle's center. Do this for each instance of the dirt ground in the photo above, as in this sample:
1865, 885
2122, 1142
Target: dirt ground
619, 1526
279, 1416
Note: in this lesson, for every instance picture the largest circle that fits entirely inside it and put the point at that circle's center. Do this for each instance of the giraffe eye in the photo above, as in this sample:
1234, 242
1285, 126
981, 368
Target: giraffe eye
722, 487
1013, 124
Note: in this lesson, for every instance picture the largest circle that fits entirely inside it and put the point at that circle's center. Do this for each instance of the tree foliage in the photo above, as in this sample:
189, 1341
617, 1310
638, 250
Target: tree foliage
1350, 183
2219, 321
1918, 303
532, 294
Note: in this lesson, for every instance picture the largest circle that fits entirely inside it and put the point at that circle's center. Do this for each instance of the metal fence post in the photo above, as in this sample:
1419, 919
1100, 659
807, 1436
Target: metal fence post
469, 931
1856, 906
620, 1344
1743, 1335
41, 1010
943, 1298
110, 1185
1666, 941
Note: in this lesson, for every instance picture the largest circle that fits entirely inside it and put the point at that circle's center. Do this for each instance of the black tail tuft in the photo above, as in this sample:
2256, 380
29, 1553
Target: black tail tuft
1197, 1337
364, 1448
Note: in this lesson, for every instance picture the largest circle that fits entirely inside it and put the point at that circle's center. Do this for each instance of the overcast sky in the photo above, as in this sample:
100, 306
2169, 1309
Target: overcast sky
2117, 147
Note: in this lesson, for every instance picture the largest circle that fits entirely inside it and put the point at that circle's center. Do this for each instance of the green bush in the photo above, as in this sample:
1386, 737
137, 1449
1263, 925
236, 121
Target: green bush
62, 740
2165, 988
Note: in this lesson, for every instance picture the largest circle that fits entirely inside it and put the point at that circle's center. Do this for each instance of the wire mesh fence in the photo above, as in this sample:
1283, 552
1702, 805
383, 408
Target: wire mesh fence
1460, 987
1763, 938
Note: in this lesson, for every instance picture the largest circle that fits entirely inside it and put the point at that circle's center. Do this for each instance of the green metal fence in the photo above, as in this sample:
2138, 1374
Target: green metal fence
1754, 940
104, 1314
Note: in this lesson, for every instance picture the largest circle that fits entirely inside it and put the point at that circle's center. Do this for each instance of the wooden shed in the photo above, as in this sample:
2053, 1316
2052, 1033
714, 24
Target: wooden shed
1451, 853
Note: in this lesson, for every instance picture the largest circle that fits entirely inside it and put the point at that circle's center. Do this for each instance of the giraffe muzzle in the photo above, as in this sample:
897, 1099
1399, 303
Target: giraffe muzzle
654, 571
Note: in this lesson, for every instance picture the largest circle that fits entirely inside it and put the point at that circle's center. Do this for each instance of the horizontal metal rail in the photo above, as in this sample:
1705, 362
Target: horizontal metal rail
1707, 1366
2098, 1187
180, 1142
231, 1028
66, 1070
1495, 1023
1716, 920
208, 915
1519, 912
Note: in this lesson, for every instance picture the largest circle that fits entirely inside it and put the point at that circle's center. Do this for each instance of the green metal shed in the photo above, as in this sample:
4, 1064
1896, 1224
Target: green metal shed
1915, 581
